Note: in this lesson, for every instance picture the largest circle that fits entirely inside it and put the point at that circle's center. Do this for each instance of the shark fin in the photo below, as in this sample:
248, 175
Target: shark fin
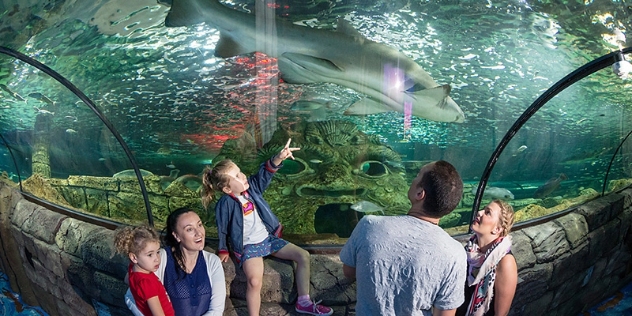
314, 64
436, 95
346, 28
227, 47
367, 106
297, 68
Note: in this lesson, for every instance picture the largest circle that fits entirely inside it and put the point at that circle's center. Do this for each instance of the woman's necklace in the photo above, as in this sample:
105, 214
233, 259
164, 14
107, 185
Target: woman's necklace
190, 262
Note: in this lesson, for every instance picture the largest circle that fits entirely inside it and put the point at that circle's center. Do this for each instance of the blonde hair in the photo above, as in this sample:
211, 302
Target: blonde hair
130, 239
215, 179
506, 218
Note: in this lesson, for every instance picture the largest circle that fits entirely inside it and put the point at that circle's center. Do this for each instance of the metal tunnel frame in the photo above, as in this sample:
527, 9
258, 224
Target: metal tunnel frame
17, 169
603, 189
579, 74
86, 100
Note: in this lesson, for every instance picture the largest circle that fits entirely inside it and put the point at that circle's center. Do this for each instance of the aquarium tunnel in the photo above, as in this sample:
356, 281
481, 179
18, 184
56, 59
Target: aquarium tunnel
110, 110
71, 169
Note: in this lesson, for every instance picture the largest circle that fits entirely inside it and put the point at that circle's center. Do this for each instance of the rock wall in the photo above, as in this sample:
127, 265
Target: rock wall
119, 198
66, 266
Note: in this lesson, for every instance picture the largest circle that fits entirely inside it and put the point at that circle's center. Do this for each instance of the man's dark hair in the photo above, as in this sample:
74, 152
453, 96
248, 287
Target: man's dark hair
443, 188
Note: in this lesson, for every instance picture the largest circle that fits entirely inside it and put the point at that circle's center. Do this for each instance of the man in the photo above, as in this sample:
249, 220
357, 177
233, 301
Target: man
408, 265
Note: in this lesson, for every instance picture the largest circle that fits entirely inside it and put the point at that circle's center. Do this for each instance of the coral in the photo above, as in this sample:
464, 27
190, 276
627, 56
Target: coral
616, 185
337, 133
529, 212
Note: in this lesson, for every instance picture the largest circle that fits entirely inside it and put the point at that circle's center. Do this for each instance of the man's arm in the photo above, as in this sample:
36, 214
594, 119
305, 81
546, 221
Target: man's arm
441, 312
349, 272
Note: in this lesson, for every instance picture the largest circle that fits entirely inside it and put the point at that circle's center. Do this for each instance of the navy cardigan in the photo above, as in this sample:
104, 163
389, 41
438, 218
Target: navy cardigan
229, 213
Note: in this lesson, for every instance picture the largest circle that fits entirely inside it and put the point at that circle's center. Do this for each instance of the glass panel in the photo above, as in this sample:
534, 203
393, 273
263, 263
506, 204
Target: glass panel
369, 100
66, 154
560, 156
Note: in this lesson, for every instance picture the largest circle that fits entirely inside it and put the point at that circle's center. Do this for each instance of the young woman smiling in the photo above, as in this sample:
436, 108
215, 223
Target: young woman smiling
492, 273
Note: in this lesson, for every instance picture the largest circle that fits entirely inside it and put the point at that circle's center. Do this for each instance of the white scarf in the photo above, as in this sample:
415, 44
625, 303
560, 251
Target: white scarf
481, 272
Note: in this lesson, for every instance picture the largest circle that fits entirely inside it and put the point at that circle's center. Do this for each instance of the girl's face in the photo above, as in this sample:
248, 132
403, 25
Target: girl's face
487, 220
148, 259
238, 181
190, 232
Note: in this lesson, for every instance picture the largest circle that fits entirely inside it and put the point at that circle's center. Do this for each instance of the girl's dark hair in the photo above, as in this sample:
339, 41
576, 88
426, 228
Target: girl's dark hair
215, 179
169, 240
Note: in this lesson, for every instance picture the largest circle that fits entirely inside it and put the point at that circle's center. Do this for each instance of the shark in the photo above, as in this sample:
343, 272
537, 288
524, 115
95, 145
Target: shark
388, 79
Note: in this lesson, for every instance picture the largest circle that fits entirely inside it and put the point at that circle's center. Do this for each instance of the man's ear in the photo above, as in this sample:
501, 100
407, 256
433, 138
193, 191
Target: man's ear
421, 194
132, 257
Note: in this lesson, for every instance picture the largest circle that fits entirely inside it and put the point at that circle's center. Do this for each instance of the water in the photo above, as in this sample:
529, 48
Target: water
11, 303
619, 304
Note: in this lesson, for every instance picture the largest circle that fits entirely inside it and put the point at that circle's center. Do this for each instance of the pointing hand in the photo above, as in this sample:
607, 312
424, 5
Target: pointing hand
286, 152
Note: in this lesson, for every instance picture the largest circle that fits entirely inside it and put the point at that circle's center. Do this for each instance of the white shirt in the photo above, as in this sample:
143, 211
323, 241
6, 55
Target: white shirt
254, 230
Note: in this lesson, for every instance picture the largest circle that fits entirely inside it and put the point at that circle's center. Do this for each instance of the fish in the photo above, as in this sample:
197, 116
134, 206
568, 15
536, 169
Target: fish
495, 193
9, 91
367, 207
71, 131
41, 97
190, 181
394, 164
550, 186
309, 105
171, 165
316, 109
165, 181
391, 80
130, 173
42, 111
519, 150
316, 161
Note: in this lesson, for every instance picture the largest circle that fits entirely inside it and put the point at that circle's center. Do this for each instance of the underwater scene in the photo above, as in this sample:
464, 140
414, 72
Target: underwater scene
370, 91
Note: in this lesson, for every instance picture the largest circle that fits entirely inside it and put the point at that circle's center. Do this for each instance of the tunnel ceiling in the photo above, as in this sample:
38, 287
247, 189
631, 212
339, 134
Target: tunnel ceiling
167, 93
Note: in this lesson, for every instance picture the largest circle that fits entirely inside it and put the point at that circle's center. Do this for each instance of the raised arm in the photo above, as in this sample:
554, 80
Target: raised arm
505, 284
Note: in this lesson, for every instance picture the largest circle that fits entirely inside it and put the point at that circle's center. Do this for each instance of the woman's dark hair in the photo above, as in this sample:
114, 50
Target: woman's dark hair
169, 240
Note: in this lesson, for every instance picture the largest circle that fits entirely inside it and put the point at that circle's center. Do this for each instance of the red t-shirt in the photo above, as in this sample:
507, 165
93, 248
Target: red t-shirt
145, 286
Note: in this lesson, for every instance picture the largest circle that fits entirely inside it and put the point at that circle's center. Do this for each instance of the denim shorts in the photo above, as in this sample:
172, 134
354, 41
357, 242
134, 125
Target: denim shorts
267, 247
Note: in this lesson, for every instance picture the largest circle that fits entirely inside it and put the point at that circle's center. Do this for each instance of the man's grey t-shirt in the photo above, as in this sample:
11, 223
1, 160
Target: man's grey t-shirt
404, 266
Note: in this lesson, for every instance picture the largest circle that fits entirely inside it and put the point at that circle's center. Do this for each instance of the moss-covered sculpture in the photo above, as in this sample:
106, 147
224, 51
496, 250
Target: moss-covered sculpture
337, 166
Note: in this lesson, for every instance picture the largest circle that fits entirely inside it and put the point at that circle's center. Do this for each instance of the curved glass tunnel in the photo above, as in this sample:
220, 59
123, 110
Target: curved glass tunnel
180, 107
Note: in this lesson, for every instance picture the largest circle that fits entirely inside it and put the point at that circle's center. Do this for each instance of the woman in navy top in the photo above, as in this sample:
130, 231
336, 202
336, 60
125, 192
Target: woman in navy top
193, 277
